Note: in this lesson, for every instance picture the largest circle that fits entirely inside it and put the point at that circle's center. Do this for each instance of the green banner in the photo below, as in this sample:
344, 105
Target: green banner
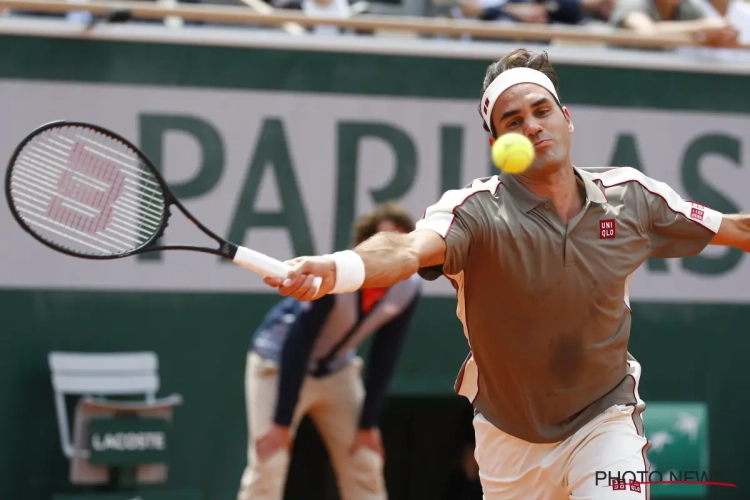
128, 441
679, 452
135, 495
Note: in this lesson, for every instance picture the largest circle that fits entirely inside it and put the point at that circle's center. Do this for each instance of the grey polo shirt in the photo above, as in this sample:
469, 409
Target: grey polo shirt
545, 307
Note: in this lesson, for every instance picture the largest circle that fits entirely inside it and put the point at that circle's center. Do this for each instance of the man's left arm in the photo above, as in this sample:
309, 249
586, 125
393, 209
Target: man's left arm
680, 228
734, 231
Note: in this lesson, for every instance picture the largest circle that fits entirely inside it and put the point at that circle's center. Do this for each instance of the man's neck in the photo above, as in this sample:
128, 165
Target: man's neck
561, 187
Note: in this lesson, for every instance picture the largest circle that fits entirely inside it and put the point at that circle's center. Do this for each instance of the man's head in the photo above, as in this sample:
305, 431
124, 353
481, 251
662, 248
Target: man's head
520, 94
389, 216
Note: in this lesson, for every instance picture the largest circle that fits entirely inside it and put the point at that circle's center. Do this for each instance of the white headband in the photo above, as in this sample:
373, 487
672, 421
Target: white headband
507, 79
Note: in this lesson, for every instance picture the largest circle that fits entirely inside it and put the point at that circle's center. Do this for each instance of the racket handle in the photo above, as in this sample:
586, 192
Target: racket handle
265, 266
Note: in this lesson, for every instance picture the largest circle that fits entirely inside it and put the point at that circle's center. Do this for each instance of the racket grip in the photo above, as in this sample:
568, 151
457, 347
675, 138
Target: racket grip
265, 266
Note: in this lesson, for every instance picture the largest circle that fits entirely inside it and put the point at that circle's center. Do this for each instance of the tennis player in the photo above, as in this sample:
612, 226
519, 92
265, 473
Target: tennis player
541, 263
303, 361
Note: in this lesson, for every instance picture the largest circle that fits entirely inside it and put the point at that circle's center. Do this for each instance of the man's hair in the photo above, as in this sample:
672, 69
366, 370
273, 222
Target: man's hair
367, 225
519, 58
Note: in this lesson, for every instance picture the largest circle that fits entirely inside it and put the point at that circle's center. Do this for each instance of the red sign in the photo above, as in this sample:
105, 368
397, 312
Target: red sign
606, 229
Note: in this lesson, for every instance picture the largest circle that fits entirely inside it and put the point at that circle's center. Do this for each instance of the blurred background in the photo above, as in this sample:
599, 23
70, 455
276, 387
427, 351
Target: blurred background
277, 124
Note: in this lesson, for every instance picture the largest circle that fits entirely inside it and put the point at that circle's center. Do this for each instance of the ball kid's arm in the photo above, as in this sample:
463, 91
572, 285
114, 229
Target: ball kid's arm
381, 261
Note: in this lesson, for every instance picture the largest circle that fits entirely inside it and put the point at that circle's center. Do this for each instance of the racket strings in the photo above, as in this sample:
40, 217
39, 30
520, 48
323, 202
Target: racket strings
86, 192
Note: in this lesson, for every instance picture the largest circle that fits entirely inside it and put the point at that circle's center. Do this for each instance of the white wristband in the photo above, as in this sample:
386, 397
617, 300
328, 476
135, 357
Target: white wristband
350, 271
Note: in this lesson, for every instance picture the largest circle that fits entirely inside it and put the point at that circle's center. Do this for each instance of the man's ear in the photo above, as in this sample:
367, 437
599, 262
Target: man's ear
566, 112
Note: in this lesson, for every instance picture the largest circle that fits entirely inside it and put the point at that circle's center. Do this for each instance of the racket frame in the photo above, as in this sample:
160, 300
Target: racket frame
226, 249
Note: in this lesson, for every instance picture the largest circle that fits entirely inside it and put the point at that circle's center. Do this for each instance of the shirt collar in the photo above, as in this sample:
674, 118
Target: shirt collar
528, 200
594, 193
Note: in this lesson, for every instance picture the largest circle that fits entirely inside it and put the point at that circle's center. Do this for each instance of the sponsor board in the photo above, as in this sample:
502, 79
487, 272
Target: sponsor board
287, 173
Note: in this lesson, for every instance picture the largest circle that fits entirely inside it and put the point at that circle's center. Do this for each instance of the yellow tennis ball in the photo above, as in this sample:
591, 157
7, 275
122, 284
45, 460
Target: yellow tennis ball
512, 153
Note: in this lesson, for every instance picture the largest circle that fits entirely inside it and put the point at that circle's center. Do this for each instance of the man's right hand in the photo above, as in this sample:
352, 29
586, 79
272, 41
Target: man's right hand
276, 439
716, 32
299, 283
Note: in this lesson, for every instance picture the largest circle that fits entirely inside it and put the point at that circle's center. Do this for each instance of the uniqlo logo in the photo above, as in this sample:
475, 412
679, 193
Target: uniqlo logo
697, 213
606, 229
635, 486
486, 105
618, 484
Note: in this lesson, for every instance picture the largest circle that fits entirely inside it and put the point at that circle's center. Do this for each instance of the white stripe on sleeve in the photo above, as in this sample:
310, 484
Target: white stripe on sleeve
439, 217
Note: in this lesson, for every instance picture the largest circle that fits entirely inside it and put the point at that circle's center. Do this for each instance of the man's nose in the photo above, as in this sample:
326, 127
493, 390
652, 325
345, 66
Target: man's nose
532, 128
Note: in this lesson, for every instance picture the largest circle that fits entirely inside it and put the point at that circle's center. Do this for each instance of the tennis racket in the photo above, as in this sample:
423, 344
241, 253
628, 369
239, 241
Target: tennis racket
85, 191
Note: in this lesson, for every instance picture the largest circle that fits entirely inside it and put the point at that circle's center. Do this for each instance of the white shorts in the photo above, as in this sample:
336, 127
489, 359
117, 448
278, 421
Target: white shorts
586, 466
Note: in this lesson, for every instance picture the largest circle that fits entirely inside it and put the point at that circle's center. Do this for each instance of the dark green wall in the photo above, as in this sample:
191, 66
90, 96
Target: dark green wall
688, 352
351, 73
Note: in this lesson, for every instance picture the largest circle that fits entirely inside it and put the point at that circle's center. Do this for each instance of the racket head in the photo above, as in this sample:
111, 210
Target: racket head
86, 191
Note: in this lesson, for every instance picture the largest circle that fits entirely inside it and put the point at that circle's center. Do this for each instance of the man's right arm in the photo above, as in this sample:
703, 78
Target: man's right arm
393, 257
442, 237
387, 257
696, 26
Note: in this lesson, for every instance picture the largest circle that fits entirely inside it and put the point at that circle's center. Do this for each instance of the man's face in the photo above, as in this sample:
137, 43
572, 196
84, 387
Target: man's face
531, 110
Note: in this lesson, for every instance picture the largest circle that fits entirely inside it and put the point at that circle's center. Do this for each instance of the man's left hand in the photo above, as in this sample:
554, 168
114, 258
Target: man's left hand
369, 438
